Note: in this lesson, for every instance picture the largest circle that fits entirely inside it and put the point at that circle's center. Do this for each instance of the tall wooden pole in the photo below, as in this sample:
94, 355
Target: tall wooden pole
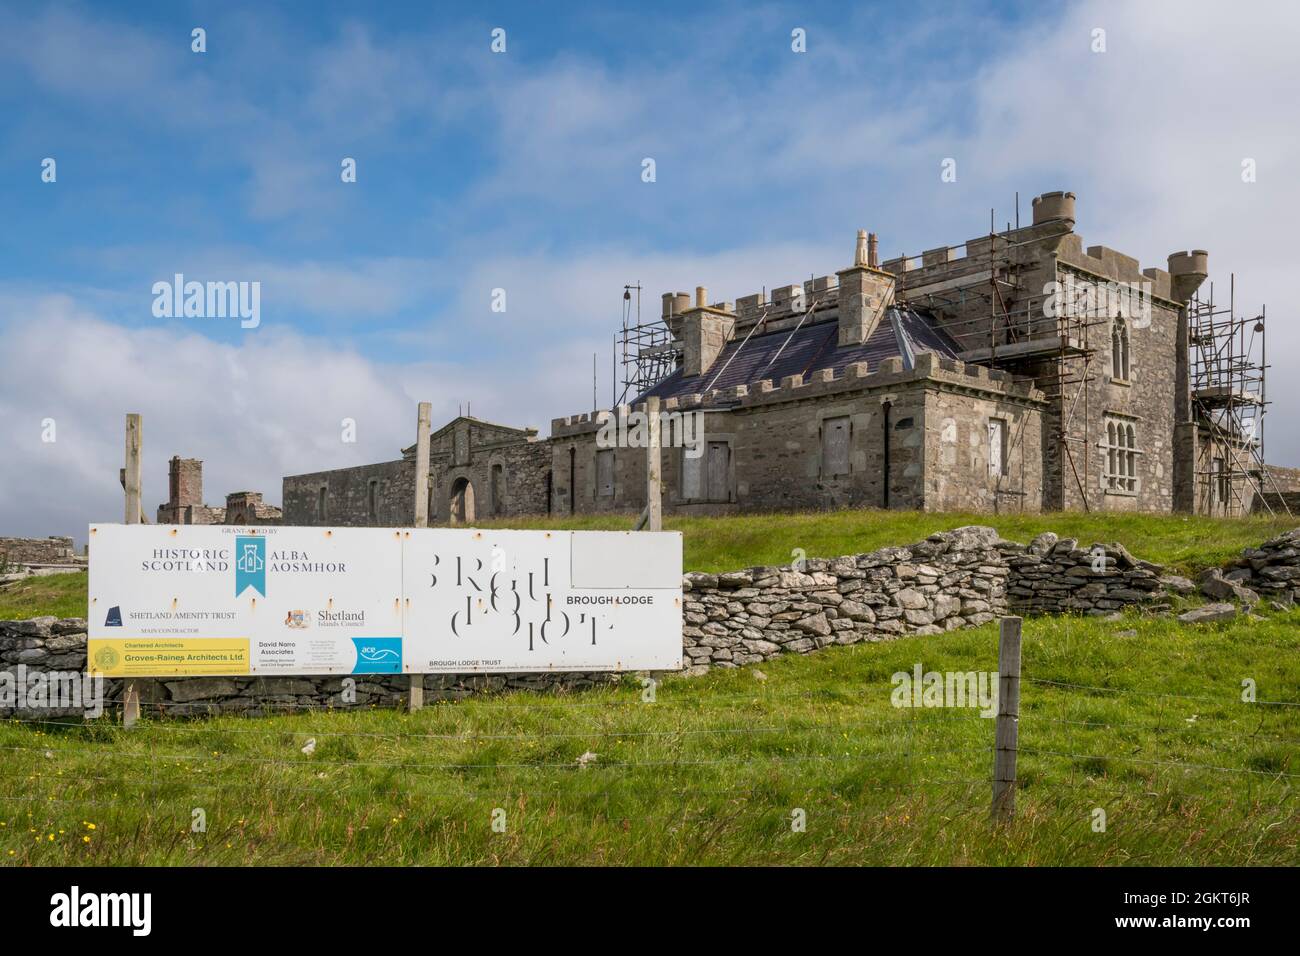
1007, 732
132, 475
415, 694
653, 483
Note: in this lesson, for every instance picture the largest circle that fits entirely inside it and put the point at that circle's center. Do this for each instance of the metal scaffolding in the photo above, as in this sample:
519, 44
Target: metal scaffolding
1228, 366
1054, 350
645, 353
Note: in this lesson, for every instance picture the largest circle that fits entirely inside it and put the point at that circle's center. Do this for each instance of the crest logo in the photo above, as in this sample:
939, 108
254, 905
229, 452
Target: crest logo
106, 658
298, 620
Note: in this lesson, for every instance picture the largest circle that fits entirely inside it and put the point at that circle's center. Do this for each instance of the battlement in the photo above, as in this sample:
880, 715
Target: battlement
857, 376
889, 373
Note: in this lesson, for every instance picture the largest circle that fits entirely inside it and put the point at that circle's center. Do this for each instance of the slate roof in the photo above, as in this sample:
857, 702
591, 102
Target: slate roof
900, 332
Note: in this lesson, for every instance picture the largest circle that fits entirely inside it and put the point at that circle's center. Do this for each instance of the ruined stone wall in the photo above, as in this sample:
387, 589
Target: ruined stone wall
348, 496
463, 450
779, 436
1272, 570
1056, 576
51, 550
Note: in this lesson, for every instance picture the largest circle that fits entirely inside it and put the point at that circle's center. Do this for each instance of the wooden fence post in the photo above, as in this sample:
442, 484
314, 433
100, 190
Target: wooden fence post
1008, 721
131, 485
415, 682
653, 484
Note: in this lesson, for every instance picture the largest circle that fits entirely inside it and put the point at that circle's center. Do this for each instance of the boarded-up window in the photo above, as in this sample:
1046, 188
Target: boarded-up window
372, 499
692, 475
1221, 480
835, 446
605, 473
719, 471
320, 503
997, 448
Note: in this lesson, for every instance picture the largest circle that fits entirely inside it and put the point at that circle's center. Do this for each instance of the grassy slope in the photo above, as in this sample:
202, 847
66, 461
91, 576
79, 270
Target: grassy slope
722, 544
711, 771
62, 595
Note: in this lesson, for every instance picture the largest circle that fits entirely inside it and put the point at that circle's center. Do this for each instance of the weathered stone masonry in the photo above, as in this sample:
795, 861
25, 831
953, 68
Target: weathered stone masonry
36, 551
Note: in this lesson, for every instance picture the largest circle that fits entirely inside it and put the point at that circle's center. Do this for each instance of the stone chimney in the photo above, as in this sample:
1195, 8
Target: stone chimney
675, 305
706, 329
865, 293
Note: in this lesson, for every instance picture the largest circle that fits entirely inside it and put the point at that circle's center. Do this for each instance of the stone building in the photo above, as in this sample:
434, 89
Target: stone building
1019, 371
476, 469
185, 500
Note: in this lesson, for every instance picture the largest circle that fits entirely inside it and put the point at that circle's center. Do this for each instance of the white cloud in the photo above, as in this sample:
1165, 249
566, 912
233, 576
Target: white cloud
763, 187
256, 411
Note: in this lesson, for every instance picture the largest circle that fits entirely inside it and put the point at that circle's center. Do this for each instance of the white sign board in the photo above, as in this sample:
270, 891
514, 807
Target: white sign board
212, 599
218, 600
492, 601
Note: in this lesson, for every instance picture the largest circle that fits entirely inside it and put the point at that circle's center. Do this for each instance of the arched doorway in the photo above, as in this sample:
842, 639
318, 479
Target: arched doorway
461, 508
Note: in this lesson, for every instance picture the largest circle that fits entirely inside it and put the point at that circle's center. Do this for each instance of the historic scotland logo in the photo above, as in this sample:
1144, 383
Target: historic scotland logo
250, 565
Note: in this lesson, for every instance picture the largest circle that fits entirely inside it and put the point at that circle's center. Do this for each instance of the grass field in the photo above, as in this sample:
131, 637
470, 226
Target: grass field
1140, 718
1183, 543
712, 771
62, 595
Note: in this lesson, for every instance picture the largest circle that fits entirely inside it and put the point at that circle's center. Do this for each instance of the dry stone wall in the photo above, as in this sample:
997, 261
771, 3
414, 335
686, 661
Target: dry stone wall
1271, 571
1054, 575
28, 551
951, 580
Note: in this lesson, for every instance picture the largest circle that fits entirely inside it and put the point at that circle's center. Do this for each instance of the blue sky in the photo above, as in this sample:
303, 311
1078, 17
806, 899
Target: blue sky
522, 171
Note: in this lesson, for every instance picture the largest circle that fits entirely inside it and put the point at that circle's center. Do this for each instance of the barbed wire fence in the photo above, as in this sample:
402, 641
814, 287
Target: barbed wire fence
995, 765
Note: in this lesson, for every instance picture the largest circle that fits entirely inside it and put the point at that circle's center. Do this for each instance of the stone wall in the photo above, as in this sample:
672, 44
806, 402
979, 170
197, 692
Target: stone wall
950, 580
494, 471
51, 550
918, 438
348, 496
1056, 576
1271, 571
